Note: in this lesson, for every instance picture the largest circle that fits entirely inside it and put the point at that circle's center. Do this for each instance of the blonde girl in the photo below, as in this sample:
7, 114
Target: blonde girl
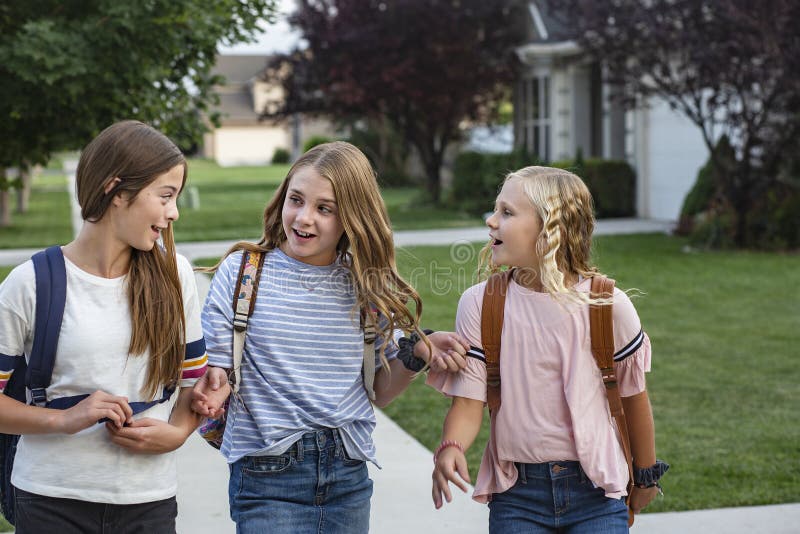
299, 436
130, 332
553, 462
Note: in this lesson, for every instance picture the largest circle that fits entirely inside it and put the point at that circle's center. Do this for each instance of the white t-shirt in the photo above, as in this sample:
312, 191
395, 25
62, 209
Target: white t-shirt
93, 354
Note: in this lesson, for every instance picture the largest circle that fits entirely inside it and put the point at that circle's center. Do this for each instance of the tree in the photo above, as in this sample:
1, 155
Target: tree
732, 68
71, 68
422, 65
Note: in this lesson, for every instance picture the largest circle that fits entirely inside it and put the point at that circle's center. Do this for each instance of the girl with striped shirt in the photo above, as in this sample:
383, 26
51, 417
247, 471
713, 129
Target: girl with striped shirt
299, 433
553, 462
130, 332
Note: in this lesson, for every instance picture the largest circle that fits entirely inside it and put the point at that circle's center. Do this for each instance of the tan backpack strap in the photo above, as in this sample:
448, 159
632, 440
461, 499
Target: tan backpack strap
244, 302
368, 320
601, 323
494, 300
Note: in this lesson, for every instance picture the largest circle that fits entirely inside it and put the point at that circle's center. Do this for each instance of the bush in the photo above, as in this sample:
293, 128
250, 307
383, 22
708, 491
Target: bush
313, 141
477, 178
612, 184
700, 196
281, 156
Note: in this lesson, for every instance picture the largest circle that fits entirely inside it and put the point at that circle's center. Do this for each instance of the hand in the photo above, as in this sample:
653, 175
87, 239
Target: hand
89, 411
449, 351
451, 461
210, 392
147, 436
641, 497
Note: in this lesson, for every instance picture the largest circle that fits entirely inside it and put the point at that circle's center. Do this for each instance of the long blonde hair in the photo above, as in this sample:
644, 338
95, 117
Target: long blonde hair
137, 154
366, 247
564, 245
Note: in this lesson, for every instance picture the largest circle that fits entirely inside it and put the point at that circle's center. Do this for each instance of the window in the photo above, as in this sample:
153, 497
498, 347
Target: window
535, 102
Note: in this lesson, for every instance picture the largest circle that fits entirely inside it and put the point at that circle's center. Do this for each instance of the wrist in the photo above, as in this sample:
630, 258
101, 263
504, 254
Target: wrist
419, 344
406, 352
647, 477
446, 443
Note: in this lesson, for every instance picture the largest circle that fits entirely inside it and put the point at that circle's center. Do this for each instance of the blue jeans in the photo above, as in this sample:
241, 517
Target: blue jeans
311, 488
556, 497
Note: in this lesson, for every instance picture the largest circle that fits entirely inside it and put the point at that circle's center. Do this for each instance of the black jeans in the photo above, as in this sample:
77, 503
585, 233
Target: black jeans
36, 514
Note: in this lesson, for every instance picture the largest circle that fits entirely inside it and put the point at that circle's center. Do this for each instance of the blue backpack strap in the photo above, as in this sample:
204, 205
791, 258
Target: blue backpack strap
64, 403
51, 294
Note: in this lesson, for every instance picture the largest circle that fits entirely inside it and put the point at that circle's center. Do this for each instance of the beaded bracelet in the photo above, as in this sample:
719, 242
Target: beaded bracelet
444, 444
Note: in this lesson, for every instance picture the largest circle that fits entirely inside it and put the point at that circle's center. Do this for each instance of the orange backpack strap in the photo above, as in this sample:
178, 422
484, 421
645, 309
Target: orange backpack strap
601, 324
494, 300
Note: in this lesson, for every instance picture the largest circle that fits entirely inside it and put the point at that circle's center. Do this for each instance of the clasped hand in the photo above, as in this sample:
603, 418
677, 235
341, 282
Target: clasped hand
210, 393
449, 351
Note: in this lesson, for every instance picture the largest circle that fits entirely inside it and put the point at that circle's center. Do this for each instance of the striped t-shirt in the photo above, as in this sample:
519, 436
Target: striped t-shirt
301, 365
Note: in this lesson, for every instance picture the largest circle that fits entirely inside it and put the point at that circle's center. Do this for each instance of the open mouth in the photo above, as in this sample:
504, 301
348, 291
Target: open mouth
302, 235
497, 242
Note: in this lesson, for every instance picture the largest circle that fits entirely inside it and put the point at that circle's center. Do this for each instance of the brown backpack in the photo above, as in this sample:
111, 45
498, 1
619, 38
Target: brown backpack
601, 325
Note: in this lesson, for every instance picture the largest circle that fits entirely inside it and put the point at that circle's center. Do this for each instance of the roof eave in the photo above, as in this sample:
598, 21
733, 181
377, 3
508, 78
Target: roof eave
532, 51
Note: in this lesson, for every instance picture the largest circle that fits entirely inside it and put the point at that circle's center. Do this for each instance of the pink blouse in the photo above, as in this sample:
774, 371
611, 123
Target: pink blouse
554, 405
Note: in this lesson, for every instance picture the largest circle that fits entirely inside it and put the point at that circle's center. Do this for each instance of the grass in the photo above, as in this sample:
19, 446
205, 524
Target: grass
724, 384
47, 221
231, 206
232, 203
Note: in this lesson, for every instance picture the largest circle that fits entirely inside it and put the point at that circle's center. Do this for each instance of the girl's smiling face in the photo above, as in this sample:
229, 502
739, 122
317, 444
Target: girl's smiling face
514, 228
139, 222
310, 219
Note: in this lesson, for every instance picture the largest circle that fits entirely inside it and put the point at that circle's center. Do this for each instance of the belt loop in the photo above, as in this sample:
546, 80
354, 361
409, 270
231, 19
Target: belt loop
522, 475
300, 449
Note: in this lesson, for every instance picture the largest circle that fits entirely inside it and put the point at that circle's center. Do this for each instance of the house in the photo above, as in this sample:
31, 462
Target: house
561, 105
242, 139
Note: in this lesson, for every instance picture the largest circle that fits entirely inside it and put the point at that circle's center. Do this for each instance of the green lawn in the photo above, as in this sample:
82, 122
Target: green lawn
48, 219
724, 385
232, 204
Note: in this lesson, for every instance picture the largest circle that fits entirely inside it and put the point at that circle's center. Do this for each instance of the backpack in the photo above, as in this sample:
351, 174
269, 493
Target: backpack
601, 326
244, 302
51, 294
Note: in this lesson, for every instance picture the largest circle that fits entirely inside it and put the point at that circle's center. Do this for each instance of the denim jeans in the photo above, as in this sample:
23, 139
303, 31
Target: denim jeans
556, 497
311, 488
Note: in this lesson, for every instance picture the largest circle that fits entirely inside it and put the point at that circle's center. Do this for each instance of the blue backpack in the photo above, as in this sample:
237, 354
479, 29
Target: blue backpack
51, 294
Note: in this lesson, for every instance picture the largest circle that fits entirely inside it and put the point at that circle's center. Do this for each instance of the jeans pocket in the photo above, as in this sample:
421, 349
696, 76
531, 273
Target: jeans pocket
350, 462
268, 465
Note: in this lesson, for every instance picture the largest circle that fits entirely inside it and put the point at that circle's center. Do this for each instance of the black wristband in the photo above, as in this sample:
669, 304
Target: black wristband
647, 477
406, 352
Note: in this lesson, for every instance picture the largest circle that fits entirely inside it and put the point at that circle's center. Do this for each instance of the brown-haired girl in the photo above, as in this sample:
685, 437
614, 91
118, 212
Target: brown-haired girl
130, 332
300, 433
553, 462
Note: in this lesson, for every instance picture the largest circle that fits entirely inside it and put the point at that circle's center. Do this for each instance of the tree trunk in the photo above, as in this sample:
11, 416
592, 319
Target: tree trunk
5, 211
24, 191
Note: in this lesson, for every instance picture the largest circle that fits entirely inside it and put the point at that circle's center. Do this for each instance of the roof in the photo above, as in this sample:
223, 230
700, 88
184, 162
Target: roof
239, 69
546, 27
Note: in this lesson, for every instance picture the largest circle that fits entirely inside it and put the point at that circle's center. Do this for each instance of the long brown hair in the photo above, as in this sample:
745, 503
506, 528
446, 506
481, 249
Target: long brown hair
366, 247
137, 154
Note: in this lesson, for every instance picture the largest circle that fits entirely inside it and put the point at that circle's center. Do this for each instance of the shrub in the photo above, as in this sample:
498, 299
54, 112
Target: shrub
281, 156
700, 196
313, 141
477, 178
612, 184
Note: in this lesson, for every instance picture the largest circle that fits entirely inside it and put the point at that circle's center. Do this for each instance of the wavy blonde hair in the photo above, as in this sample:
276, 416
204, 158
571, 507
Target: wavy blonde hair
564, 244
366, 248
137, 154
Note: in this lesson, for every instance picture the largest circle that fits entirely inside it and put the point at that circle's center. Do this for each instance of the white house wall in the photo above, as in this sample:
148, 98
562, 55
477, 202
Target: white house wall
248, 145
670, 152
